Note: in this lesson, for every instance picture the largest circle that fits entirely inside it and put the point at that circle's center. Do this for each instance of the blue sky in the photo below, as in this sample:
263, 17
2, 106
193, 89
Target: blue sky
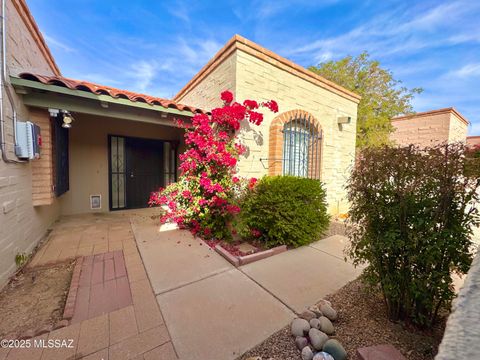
155, 47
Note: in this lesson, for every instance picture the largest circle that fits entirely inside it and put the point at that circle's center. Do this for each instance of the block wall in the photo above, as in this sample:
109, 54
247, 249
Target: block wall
22, 224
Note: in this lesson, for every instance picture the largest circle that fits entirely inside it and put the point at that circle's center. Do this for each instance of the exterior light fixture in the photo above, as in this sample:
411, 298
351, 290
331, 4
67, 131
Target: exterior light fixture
344, 120
67, 119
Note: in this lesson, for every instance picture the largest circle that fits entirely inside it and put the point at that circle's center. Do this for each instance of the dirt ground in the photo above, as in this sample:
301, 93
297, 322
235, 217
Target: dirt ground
34, 298
362, 322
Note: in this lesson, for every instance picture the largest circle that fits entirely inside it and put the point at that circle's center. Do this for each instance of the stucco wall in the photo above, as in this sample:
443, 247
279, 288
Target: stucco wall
430, 129
88, 139
259, 80
461, 334
21, 224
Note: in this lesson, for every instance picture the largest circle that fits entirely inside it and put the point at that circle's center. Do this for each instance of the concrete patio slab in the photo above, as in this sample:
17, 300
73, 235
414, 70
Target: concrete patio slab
221, 317
174, 258
301, 277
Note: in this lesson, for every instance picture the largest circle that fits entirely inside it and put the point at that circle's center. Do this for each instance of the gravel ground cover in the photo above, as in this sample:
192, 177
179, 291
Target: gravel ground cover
362, 321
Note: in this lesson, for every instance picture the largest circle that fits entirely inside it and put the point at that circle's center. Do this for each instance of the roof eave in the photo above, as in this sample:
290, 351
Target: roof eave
19, 83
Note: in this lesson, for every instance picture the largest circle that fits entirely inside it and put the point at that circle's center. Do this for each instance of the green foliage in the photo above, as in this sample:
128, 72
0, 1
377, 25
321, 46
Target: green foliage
383, 97
473, 161
21, 259
412, 215
284, 210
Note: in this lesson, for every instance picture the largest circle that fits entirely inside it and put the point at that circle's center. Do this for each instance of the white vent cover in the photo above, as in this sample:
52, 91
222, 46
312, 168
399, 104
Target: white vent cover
95, 202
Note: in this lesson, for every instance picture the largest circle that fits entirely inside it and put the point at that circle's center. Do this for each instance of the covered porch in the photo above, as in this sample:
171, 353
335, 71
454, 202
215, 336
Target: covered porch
103, 149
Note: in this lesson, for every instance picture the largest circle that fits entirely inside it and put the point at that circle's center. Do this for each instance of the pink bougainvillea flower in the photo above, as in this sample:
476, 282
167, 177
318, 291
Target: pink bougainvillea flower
271, 105
203, 199
256, 233
251, 104
227, 96
251, 183
255, 117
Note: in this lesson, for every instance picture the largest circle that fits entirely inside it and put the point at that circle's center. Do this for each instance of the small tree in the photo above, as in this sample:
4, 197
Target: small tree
412, 216
203, 199
383, 97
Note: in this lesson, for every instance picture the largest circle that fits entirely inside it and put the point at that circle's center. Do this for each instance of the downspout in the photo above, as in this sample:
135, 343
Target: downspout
4, 88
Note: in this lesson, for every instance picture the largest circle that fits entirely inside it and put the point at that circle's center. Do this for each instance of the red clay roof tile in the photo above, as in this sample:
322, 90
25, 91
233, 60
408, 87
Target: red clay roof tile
107, 90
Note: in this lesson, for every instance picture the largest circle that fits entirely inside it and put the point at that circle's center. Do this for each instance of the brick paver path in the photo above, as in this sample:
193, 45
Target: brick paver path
103, 286
136, 331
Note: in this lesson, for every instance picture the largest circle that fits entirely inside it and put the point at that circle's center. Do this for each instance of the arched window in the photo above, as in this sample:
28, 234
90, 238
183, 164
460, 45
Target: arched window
296, 153
295, 145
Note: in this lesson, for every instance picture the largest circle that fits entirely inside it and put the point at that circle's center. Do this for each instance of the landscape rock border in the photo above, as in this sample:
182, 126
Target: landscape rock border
312, 330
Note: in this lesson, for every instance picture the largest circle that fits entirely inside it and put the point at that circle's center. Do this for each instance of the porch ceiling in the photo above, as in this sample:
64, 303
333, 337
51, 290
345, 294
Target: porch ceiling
75, 96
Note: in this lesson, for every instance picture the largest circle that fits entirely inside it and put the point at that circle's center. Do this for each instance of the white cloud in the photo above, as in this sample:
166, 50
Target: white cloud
468, 70
55, 43
398, 31
180, 10
144, 73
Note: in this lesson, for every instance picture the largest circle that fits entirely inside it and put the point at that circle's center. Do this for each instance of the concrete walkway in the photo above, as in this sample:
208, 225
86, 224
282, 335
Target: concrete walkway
134, 332
215, 311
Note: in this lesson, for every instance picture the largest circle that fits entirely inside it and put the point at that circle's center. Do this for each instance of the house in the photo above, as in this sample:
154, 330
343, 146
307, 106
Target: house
105, 149
430, 128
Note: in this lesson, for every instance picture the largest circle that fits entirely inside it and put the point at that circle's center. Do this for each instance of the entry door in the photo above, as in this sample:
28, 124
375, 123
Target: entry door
144, 166
138, 167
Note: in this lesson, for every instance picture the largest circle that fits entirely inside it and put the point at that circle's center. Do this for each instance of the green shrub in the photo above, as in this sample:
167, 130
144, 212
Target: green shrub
412, 215
284, 210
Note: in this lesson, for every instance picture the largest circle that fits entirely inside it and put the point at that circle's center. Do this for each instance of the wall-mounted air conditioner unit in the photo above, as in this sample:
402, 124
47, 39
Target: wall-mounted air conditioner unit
29, 140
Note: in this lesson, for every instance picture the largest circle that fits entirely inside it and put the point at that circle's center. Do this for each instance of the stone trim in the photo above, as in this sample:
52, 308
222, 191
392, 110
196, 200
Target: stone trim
238, 42
275, 148
449, 110
32, 27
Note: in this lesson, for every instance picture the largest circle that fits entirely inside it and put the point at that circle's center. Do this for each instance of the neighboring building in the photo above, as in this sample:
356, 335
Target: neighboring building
123, 145
473, 140
430, 128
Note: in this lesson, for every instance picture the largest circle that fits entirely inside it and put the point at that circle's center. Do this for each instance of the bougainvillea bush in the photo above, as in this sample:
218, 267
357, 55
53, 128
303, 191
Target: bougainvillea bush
412, 216
205, 198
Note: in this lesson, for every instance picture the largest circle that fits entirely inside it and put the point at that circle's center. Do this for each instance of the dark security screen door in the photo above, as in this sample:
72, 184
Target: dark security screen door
138, 167
143, 170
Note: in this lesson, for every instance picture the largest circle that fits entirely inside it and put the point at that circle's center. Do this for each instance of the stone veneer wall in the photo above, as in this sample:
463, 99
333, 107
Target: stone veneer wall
254, 78
22, 224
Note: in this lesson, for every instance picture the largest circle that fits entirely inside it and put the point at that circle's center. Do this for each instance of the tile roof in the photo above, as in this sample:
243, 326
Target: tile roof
107, 90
